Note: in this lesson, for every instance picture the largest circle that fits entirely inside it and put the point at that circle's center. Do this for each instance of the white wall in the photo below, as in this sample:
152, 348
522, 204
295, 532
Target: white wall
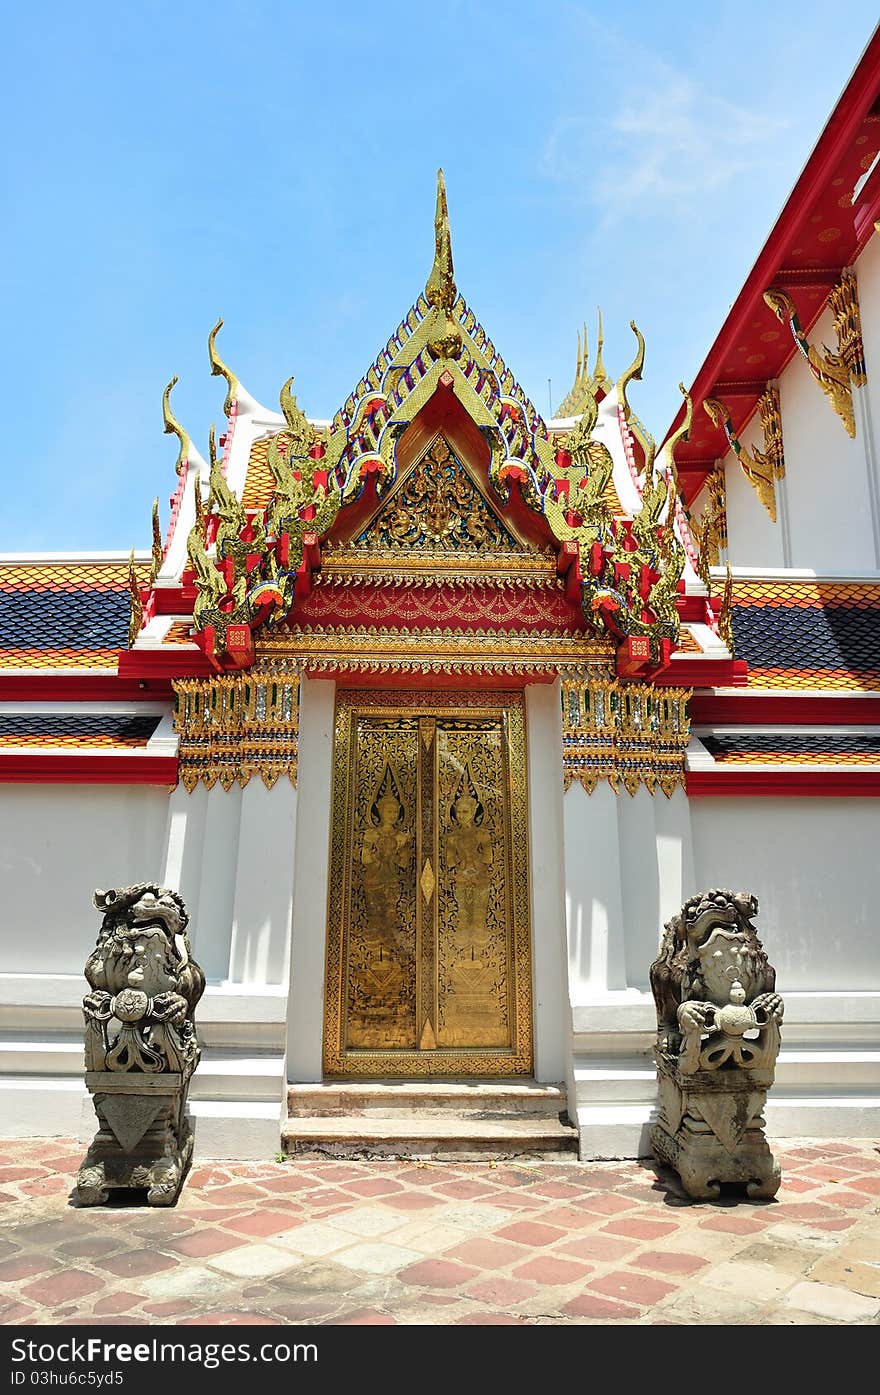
57, 844
753, 541
305, 1017
826, 480
867, 271
813, 864
544, 736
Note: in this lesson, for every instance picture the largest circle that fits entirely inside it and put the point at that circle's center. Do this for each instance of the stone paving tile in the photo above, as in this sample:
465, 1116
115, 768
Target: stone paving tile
324, 1241
832, 1302
377, 1258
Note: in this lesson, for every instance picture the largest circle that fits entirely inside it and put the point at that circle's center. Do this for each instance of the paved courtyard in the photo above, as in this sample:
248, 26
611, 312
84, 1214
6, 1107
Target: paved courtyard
323, 1241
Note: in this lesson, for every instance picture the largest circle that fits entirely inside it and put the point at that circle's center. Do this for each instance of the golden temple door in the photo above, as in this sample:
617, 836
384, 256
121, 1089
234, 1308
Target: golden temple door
428, 943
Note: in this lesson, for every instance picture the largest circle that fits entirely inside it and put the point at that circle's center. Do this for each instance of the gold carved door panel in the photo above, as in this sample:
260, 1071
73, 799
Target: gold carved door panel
428, 944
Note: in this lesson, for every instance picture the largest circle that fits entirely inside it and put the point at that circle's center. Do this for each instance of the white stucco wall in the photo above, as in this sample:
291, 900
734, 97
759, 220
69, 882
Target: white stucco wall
544, 736
57, 844
753, 540
826, 481
813, 864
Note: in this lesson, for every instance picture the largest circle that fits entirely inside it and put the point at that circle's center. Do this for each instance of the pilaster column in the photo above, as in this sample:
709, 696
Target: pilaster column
546, 837
217, 887
263, 883
308, 941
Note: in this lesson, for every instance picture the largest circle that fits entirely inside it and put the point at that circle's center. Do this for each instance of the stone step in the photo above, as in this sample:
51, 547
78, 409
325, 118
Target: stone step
364, 1136
422, 1099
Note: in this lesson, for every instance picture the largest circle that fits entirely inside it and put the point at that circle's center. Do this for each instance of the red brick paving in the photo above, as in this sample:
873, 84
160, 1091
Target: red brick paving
640, 1230
546, 1270
24, 1267
733, 1225
635, 1288
73, 1283
588, 1307
486, 1254
437, 1272
532, 1233
599, 1247
378, 1187
668, 1262
137, 1263
263, 1223
502, 1291
508, 1244
206, 1242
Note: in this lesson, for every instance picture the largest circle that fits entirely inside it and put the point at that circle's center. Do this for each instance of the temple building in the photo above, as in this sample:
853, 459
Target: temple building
435, 712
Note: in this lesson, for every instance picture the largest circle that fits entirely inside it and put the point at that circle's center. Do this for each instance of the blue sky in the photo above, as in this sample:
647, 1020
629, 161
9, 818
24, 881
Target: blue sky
274, 163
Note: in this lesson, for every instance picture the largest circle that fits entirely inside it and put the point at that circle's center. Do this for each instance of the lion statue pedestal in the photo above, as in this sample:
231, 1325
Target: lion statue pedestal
141, 1047
718, 1018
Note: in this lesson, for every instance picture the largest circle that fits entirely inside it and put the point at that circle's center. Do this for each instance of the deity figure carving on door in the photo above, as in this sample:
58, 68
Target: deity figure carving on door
385, 853
469, 857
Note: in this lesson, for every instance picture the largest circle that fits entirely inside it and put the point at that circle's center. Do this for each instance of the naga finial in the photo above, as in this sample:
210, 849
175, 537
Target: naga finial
220, 370
297, 422
634, 371
157, 542
440, 287
683, 432
136, 610
600, 377
173, 427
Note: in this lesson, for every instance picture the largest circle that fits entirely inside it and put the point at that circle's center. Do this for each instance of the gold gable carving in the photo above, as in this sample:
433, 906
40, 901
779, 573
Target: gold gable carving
439, 523
437, 507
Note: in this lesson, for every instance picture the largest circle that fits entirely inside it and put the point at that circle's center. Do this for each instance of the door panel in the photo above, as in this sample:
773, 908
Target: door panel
428, 950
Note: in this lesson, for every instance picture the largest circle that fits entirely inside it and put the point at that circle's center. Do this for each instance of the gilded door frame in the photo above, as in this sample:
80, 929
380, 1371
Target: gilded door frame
472, 1062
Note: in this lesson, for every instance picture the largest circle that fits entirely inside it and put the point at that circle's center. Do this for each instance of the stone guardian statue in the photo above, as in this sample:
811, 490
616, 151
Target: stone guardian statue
718, 1019
140, 1045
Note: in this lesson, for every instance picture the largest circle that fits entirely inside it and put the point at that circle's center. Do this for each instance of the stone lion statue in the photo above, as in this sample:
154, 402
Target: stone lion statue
718, 1021
139, 1023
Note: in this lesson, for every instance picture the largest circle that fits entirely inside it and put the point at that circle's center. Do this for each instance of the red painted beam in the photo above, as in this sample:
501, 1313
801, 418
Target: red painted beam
173, 600
50, 769
705, 673
50, 687
844, 783
153, 665
746, 710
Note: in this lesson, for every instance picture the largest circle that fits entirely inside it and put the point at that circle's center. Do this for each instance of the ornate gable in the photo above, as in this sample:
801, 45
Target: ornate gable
438, 469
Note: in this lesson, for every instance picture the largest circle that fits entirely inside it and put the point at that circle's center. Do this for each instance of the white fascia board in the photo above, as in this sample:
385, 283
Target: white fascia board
59, 673
810, 729
165, 740
22, 558
744, 767
116, 709
791, 574
99, 752
750, 692
696, 757
709, 642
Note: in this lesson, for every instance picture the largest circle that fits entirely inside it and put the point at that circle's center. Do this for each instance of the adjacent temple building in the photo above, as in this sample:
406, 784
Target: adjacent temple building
435, 712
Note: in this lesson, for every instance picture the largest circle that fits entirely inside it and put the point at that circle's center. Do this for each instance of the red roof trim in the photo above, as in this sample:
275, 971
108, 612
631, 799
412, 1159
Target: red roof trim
774, 261
46, 769
823, 784
771, 710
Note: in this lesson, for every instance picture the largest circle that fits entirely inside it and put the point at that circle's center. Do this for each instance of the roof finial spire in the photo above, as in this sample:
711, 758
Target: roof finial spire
440, 288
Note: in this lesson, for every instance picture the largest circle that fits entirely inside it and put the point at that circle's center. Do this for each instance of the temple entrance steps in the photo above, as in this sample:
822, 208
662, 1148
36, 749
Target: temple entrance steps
464, 1120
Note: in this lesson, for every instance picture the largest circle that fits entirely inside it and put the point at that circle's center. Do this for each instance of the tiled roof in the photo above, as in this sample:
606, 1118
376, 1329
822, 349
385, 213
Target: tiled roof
64, 614
75, 729
808, 634
800, 748
259, 481
179, 632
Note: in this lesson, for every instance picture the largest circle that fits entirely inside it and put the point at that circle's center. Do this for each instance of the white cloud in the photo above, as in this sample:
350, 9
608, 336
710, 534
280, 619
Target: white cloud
665, 149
